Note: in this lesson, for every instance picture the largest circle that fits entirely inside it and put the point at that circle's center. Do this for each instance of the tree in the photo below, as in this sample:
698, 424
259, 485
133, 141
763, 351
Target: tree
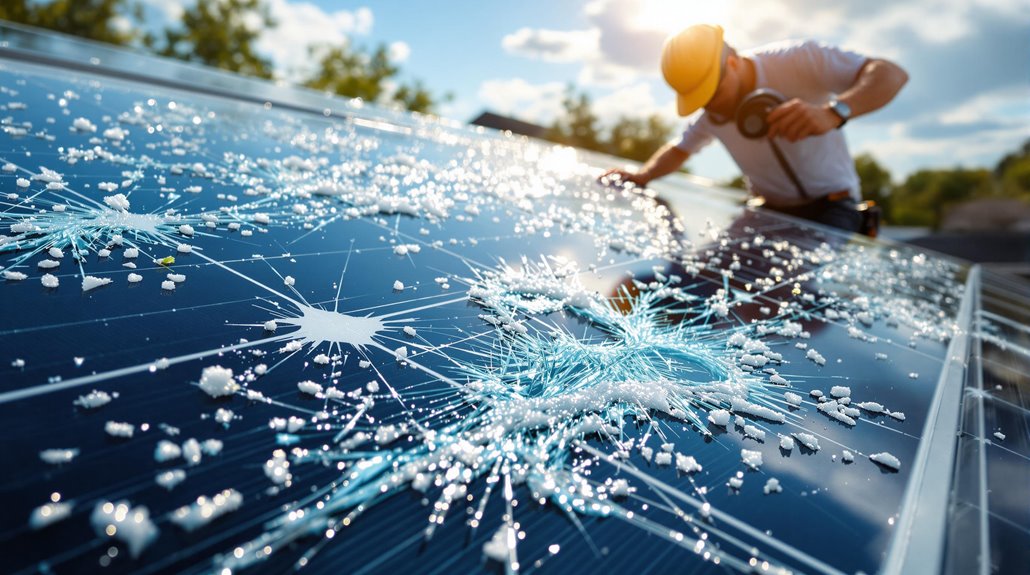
578, 127
1013, 173
637, 138
100, 20
354, 73
220, 33
925, 195
875, 182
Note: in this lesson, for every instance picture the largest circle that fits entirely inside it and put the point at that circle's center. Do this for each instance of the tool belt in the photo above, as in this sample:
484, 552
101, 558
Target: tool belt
871, 214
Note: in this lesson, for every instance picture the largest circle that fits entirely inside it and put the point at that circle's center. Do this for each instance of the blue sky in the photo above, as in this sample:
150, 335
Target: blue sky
967, 103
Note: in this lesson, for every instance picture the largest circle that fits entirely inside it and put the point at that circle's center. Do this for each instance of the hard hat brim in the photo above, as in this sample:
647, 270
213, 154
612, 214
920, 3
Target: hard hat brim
689, 102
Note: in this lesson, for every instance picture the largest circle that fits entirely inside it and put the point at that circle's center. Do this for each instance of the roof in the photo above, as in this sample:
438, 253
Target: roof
505, 123
255, 328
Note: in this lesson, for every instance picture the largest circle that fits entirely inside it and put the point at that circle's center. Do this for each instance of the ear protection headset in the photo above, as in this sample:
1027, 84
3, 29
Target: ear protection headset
751, 121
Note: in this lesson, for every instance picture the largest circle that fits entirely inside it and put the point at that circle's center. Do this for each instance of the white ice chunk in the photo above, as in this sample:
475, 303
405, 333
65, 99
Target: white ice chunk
217, 381
401, 353
497, 547
168, 285
871, 406
130, 253
206, 509
169, 479
224, 416
17, 276
289, 281
83, 125
117, 202
816, 357
132, 525
719, 417
786, 443
793, 398
687, 464
840, 391
116, 134
50, 281
772, 486
58, 456
92, 282
886, 459
135, 278
310, 388
752, 459
398, 285
999, 435
847, 456
808, 440
119, 429
754, 432
321, 359
270, 325
166, 451
192, 452
410, 331
663, 458
740, 405
49, 514
93, 399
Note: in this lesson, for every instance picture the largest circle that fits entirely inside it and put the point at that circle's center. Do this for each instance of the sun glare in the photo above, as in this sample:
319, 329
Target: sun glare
673, 15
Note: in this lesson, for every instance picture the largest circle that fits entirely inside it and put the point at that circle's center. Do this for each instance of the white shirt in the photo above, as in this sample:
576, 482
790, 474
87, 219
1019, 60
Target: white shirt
809, 70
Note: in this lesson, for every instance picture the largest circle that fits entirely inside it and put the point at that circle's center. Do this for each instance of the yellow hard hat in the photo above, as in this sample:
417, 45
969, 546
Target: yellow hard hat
690, 64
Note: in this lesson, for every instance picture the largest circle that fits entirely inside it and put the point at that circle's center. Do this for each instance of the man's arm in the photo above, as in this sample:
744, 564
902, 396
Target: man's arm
875, 86
664, 161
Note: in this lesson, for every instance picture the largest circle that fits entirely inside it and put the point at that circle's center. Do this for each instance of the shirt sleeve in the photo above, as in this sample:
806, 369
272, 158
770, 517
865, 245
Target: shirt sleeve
829, 66
694, 137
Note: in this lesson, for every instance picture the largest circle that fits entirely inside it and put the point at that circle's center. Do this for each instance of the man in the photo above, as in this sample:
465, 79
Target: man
824, 87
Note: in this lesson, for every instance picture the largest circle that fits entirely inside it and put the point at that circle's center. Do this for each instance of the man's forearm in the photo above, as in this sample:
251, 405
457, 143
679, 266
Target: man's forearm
876, 85
666, 160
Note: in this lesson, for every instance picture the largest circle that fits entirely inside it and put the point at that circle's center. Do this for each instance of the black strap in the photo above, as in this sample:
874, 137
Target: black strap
786, 168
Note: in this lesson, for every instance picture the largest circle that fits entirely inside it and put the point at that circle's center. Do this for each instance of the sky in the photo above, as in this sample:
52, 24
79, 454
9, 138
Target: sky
967, 102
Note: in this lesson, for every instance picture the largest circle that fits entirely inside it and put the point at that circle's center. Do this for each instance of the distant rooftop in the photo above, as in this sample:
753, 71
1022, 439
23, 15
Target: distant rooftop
505, 123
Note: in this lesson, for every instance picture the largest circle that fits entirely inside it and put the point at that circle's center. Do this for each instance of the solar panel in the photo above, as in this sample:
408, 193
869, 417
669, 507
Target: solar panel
274, 330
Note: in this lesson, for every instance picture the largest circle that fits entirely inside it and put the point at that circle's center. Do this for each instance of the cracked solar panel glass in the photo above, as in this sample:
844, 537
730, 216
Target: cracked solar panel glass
241, 337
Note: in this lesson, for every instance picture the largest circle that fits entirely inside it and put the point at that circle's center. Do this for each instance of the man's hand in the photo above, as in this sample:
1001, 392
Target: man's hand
797, 119
619, 177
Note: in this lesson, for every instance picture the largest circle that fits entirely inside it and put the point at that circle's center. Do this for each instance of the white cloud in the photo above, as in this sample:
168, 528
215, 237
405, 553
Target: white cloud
553, 45
634, 101
399, 52
298, 26
301, 25
537, 103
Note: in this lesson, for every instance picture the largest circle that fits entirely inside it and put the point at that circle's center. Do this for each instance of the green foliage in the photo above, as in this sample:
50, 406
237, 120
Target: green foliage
221, 33
93, 19
356, 74
636, 138
578, 127
924, 197
1013, 173
633, 138
875, 181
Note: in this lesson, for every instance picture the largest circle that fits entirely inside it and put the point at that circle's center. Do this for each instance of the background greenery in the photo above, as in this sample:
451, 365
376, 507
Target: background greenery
215, 33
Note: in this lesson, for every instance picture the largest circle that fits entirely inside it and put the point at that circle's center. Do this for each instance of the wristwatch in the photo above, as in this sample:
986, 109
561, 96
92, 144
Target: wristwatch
842, 110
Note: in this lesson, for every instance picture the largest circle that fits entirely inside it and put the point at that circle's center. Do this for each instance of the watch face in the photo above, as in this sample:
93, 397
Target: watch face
842, 109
